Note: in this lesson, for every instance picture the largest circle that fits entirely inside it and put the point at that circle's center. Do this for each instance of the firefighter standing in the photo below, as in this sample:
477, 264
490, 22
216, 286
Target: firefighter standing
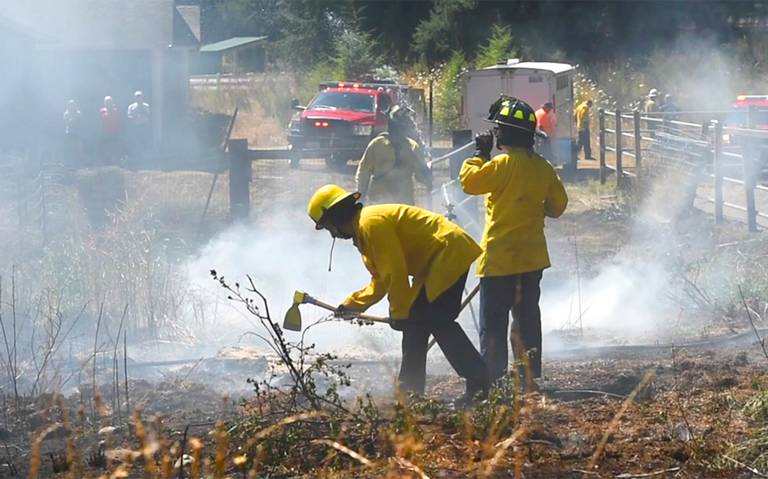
651, 103
582, 125
391, 160
520, 189
398, 241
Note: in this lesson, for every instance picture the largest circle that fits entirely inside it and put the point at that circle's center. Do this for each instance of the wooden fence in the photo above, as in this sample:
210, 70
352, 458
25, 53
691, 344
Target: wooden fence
715, 155
226, 81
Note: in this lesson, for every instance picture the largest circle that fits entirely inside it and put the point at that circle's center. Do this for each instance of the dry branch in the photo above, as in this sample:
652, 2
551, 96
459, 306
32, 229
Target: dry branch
345, 450
752, 323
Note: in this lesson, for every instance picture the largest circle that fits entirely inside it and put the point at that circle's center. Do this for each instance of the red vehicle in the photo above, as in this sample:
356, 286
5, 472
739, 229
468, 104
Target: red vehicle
750, 111
340, 120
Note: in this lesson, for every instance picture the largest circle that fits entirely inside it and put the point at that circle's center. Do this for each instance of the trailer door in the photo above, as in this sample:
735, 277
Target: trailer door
481, 89
531, 86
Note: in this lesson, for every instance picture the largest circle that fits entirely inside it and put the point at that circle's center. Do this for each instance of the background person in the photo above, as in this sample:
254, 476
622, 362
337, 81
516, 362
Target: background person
391, 161
584, 140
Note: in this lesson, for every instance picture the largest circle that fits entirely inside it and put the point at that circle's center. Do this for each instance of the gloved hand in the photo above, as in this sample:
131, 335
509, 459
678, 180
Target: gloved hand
484, 145
343, 312
542, 134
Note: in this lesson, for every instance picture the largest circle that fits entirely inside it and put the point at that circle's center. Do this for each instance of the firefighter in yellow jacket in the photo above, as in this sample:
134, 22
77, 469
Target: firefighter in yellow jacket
584, 140
390, 162
520, 188
397, 242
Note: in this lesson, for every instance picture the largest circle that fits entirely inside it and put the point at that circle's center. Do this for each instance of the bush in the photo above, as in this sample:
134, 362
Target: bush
500, 47
447, 95
356, 55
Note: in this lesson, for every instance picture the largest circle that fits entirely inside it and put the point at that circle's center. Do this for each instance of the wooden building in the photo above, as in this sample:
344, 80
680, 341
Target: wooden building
234, 55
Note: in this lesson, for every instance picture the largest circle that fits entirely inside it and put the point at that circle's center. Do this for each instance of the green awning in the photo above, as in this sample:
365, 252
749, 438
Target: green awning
229, 44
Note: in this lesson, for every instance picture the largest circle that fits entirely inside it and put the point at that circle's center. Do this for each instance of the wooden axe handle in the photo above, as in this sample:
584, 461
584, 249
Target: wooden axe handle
365, 317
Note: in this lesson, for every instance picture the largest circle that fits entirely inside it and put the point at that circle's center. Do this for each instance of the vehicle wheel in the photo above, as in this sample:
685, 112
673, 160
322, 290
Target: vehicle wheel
336, 162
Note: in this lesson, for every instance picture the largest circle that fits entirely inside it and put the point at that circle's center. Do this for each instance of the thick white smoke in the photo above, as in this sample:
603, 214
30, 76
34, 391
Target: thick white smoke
282, 260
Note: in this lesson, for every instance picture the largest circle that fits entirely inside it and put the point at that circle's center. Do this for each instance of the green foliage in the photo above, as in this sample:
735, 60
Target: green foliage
321, 72
250, 17
499, 48
355, 55
447, 95
437, 36
308, 28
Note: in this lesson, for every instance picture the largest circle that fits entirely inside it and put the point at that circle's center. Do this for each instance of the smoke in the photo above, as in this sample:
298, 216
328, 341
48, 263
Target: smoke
637, 295
281, 260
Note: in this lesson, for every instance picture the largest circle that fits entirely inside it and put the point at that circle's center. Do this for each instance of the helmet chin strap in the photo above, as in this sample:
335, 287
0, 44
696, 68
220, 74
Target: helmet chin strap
330, 256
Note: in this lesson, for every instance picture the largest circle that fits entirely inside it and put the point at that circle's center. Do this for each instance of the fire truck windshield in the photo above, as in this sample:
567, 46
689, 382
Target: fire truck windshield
343, 101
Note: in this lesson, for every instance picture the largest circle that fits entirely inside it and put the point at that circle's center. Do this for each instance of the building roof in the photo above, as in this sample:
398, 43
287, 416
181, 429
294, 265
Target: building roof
229, 44
544, 66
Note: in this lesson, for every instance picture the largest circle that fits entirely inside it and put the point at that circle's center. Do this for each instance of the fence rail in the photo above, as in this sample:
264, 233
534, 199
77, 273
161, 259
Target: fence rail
225, 80
700, 149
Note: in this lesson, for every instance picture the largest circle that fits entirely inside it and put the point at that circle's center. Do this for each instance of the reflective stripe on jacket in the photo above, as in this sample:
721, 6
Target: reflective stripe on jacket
398, 241
385, 178
521, 188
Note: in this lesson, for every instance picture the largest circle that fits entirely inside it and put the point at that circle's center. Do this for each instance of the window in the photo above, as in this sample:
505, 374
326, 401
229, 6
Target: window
535, 79
562, 82
343, 101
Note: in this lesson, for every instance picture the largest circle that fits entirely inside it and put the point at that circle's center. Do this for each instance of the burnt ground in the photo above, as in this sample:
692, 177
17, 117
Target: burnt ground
690, 414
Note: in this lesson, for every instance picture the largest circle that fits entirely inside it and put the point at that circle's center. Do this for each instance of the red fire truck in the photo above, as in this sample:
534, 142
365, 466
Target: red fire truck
341, 119
750, 111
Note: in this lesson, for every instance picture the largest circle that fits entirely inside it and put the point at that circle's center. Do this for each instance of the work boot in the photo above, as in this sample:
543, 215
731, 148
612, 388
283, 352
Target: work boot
474, 394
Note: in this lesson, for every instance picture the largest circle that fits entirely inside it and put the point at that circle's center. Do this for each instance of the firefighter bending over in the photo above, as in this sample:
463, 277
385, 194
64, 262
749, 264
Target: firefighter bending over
391, 160
520, 189
398, 241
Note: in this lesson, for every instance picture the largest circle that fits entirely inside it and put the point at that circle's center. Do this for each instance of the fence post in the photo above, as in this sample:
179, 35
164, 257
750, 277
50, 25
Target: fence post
748, 157
601, 141
717, 157
619, 141
638, 142
239, 179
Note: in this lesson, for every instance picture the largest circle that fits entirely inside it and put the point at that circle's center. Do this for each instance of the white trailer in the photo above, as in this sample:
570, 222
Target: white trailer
533, 82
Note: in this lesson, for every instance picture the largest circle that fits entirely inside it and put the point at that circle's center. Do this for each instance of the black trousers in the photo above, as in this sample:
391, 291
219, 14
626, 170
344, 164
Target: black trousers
584, 141
520, 294
438, 319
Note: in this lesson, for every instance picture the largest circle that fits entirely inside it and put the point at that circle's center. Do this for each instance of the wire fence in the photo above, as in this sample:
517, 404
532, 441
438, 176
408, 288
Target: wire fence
31, 194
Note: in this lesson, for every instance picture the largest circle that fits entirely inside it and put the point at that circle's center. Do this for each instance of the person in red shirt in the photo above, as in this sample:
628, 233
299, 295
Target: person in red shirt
111, 142
546, 122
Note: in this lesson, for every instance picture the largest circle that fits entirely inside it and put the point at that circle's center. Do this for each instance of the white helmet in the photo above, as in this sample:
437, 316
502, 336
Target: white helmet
653, 93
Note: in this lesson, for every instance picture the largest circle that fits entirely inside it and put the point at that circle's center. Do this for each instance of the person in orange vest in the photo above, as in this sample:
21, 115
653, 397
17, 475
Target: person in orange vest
546, 122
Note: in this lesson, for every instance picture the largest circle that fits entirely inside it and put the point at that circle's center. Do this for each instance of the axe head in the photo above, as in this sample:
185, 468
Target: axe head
299, 297
292, 320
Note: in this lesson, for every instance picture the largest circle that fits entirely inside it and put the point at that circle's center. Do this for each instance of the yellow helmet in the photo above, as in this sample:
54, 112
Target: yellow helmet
325, 198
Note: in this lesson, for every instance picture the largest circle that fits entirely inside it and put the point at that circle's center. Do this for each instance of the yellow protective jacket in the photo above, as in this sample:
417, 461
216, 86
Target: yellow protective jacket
521, 188
385, 180
398, 241
582, 116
